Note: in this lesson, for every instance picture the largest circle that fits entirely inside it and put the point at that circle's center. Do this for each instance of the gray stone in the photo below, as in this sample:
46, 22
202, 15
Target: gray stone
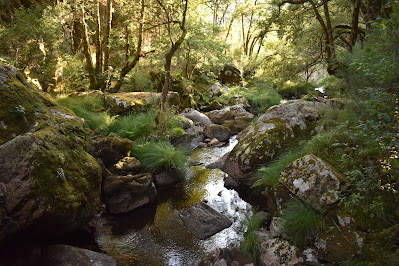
203, 221
196, 116
278, 128
217, 131
125, 193
127, 165
276, 252
313, 181
191, 139
167, 179
213, 142
236, 115
64, 255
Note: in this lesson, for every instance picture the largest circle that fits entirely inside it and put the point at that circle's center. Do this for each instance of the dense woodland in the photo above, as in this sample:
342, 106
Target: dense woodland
284, 49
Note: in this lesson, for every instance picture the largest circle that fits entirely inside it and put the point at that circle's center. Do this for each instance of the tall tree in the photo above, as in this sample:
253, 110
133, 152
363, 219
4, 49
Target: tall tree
174, 44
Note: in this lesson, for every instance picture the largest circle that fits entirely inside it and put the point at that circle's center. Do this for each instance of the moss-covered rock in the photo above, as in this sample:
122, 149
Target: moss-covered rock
235, 117
340, 243
46, 175
219, 132
313, 181
127, 102
278, 128
110, 149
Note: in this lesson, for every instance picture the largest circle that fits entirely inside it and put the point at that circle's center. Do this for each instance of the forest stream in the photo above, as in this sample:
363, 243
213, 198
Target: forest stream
156, 235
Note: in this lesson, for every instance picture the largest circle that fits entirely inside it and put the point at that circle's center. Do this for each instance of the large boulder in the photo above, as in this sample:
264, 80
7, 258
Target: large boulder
203, 221
127, 102
47, 179
278, 128
275, 251
230, 75
64, 255
167, 179
110, 149
125, 193
219, 132
339, 243
190, 140
313, 181
196, 116
235, 115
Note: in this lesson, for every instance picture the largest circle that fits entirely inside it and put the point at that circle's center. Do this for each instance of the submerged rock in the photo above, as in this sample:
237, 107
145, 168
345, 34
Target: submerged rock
64, 255
278, 128
313, 181
126, 102
125, 193
203, 221
47, 179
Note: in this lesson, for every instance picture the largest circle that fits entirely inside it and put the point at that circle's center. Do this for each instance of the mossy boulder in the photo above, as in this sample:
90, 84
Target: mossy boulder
110, 149
275, 130
235, 117
340, 243
313, 181
219, 132
125, 193
127, 102
47, 178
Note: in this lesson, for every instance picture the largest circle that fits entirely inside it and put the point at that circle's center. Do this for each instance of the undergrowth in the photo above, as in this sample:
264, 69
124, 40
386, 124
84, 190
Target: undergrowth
301, 222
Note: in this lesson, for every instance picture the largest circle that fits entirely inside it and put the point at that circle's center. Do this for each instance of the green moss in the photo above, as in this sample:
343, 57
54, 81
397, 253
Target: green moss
82, 175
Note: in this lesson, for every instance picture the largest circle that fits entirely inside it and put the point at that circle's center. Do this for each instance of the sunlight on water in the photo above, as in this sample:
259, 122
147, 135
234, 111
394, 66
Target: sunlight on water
161, 238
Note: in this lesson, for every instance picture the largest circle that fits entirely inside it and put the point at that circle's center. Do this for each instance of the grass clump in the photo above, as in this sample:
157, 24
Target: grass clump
91, 109
159, 156
251, 243
268, 177
134, 125
301, 222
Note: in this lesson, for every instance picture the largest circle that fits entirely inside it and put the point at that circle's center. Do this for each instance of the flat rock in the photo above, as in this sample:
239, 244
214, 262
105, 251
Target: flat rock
125, 193
203, 221
196, 116
64, 255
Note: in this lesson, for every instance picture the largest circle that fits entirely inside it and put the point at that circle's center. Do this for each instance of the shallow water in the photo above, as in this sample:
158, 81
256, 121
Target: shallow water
156, 235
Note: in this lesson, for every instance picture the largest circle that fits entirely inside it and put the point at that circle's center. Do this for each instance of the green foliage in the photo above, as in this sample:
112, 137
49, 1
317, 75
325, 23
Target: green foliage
134, 125
295, 91
91, 109
20, 110
251, 241
73, 74
158, 156
260, 94
301, 222
269, 176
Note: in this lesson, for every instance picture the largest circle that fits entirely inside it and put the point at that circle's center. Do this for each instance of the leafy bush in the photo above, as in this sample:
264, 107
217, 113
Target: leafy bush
296, 91
301, 222
260, 94
158, 156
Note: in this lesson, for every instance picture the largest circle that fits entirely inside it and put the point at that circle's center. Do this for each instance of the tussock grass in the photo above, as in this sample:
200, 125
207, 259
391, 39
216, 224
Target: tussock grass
251, 243
134, 125
301, 222
158, 156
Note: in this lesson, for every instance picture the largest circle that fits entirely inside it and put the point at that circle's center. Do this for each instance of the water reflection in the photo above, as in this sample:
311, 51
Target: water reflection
163, 239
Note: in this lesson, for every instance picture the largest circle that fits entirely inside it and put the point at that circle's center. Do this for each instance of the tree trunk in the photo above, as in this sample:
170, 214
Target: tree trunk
170, 54
355, 23
108, 21
87, 53
97, 37
129, 66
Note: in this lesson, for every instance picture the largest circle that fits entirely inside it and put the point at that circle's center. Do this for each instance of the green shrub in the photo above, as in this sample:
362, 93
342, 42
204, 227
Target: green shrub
301, 222
269, 176
297, 90
134, 125
158, 156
